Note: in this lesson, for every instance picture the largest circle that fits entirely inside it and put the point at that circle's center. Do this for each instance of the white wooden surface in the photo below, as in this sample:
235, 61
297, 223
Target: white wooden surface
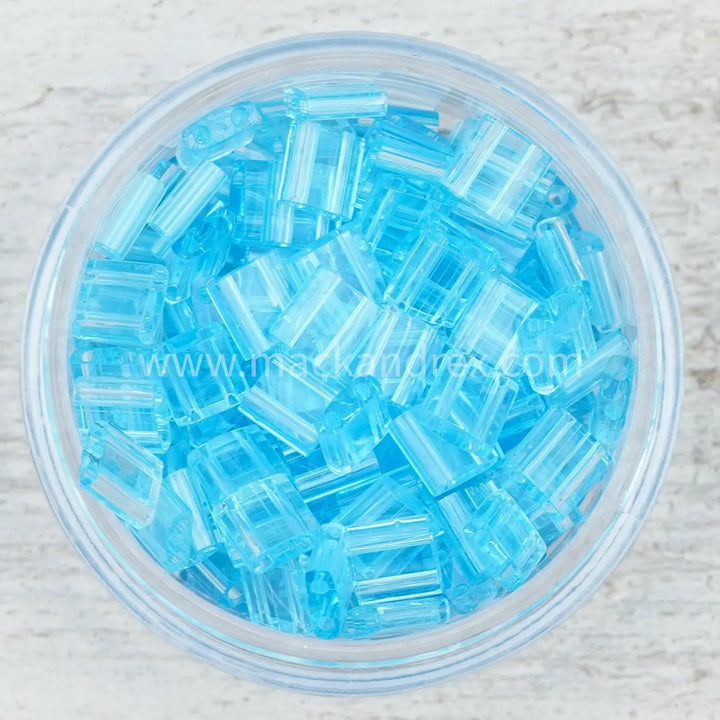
644, 76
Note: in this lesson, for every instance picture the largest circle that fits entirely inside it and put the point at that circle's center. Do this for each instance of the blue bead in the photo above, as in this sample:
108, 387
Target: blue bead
401, 353
198, 433
249, 300
442, 273
202, 532
216, 579
329, 585
120, 473
498, 539
352, 424
489, 327
606, 310
560, 200
136, 406
184, 203
423, 116
120, 303
556, 472
299, 225
326, 492
218, 133
557, 254
400, 145
123, 224
201, 373
278, 598
252, 198
321, 167
335, 102
440, 464
179, 318
494, 167
556, 337
613, 400
525, 411
107, 361
468, 403
388, 619
328, 321
168, 538
346, 253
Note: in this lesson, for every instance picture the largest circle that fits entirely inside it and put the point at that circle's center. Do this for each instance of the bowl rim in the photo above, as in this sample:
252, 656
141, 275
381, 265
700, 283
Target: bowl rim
350, 676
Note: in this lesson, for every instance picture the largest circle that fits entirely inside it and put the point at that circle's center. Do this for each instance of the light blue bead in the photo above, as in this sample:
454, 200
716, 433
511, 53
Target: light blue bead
526, 410
423, 116
287, 400
389, 619
252, 198
122, 225
560, 201
120, 473
202, 374
184, 203
120, 303
321, 167
489, 327
530, 275
328, 320
606, 310
440, 464
393, 560
204, 539
179, 318
346, 253
583, 377
560, 460
203, 431
216, 579
326, 492
329, 585
352, 424
299, 225
401, 353
468, 403
136, 406
107, 361
335, 102
613, 400
169, 538
201, 251
278, 598
250, 299
556, 337
557, 254
218, 133
498, 539
400, 145
494, 167
442, 273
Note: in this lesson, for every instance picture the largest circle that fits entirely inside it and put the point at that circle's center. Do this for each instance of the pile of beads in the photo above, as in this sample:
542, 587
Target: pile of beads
345, 375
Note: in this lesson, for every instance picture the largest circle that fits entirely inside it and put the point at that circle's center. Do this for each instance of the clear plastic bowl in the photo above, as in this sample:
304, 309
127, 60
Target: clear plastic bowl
418, 73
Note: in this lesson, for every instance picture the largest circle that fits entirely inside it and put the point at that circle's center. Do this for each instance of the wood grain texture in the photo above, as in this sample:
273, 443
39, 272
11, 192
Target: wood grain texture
643, 75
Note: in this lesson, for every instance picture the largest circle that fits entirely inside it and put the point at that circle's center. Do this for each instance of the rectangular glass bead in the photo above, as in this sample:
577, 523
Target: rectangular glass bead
328, 320
218, 133
387, 619
184, 203
346, 253
441, 274
440, 464
321, 167
250, 299
468, 403
108, 361
299, 225
252, 198
216, 579
557, 254
287, 400
120, 473
135, 406
401, 353
335, 102
120, 303
169, 538
352, 424
122, 225
612, 402
202, 374
494, 167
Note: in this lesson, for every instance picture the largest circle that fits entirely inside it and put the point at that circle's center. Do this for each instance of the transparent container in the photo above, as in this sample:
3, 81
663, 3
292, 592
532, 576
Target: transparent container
422, 74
